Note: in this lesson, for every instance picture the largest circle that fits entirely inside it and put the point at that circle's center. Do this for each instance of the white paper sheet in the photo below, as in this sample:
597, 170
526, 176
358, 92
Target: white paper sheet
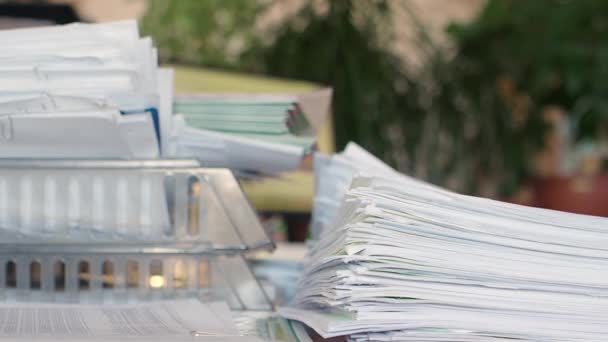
186, 319
217, 149
86, 134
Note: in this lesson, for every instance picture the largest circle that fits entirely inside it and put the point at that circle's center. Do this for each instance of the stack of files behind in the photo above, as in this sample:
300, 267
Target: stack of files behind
81, 91
255, 134
404, 260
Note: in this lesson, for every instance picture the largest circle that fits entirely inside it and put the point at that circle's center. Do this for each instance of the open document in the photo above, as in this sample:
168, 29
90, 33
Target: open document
187, 319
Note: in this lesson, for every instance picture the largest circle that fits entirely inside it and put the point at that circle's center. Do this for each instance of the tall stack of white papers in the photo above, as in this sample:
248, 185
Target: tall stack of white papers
263, 133
79, 91
333, 176
406, 261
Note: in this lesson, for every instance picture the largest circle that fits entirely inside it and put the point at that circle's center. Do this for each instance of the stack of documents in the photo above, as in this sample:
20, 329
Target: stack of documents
96, 91
333, 176
275, 118
265, 134
406, 261
81, 91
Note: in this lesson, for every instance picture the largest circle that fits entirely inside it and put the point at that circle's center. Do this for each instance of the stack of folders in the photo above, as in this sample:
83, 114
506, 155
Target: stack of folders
81, 91
404, 260
265, 134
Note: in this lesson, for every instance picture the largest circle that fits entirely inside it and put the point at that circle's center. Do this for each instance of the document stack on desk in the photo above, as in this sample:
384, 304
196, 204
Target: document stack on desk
95, 91
333, 176
265, 134
406, 261
80, 91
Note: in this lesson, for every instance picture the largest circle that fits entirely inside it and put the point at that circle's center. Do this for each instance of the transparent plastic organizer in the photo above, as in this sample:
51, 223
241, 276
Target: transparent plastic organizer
123, 278
125, 206
126, 231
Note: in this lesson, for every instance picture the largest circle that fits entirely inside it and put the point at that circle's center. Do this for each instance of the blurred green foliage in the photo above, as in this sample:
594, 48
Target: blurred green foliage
469, 118
530, 56
554, 51
201, 32
341, 49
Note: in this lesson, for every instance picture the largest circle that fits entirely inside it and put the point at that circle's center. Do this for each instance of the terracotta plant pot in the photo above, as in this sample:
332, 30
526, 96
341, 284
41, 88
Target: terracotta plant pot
576, 193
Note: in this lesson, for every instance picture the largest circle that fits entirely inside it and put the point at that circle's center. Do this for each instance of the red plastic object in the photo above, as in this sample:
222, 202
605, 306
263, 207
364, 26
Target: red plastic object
577, 193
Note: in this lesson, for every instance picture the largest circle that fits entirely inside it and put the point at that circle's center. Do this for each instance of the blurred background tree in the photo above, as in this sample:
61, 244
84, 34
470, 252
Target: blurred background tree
211, 32
345, 44
472, 116
542, 55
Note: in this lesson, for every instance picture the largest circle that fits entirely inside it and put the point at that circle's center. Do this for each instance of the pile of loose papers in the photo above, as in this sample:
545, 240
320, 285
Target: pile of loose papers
96, 91
406, 261
80, 91
333, 176
263, 133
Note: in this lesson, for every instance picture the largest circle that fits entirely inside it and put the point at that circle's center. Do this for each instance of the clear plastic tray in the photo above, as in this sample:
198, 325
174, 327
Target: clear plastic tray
126, 231
124, 207
128, 277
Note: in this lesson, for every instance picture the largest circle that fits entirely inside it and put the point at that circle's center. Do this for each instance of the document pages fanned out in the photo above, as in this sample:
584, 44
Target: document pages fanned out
406, 261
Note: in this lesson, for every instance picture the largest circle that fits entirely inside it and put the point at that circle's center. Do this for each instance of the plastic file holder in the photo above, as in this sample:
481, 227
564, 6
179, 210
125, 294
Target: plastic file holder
87, 276
107, 231
147, 203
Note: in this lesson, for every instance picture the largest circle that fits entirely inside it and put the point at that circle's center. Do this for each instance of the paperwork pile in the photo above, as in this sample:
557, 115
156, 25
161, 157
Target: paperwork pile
80, 91
406, 261
273, 118
96, 91
252, 133
333, 175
